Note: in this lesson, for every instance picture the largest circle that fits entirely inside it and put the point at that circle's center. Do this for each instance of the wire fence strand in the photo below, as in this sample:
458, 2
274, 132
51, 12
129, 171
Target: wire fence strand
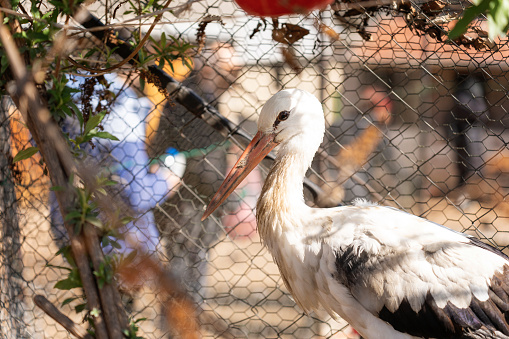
413, 121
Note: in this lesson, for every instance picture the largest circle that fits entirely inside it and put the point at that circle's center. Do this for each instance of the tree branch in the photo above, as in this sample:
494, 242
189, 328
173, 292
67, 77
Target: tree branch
56, 156
50, 309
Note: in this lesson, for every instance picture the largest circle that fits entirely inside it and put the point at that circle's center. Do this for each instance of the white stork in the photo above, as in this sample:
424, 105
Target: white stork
388, 273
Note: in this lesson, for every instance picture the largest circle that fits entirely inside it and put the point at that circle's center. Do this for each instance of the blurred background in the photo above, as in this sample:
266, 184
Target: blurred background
413, 121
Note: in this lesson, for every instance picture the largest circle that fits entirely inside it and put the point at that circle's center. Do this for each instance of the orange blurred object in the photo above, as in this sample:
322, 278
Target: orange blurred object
179, 71
178, 306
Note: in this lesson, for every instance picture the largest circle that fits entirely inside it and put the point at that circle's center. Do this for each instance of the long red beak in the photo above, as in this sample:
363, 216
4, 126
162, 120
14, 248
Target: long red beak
258, 148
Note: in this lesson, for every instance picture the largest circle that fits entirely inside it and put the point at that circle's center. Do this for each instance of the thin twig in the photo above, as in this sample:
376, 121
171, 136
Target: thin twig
11, 12
50, 309
132, 55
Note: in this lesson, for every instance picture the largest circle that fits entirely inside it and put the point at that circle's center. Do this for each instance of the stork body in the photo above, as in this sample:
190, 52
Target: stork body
388, 273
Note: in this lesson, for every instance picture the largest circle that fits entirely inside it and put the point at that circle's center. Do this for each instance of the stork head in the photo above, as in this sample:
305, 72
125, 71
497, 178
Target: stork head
293, 120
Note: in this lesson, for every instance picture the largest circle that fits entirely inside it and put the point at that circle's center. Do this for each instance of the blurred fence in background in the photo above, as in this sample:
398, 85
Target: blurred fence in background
413, 122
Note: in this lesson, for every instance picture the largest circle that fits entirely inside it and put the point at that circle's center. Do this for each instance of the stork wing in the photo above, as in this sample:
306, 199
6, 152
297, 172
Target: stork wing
422, 278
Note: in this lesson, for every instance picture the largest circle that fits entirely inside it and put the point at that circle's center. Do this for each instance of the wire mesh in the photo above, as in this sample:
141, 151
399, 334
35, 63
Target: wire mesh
412, 122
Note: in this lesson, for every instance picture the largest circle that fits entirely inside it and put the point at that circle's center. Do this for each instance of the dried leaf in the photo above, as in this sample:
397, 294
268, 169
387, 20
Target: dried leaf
480, 32
200, 34
328, 31
289, 57
261, 23
289, 33
353, 12
433, 8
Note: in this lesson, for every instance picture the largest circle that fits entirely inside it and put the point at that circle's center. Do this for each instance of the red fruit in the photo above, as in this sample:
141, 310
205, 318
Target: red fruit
275, 8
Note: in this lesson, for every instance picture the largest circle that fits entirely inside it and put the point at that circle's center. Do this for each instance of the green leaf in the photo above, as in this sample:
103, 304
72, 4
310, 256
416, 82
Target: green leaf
105, 241
115, 244
163, 40
171, 65
90, 53
25, 154
94, 221
77, 111
95, 134
105, 135
72, 215
36, 37
67, 254
77, 228
67, 110
69, 300
100, 279
126, 220
161, 63
110, 183
498, 18
130, 257
79, 308
101, 190
73, 280
468, 16
93, 122
4, 62
186, 62
142, 84
80, 140
57, 188
67, 284
59, 267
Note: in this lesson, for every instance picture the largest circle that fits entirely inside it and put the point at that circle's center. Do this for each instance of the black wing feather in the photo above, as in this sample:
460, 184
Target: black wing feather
490, 316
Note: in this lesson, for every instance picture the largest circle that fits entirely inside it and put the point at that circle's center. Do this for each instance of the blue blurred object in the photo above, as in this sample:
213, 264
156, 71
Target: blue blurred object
127, 161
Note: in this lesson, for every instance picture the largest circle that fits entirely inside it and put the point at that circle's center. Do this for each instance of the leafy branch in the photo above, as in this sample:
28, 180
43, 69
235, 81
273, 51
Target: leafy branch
497, 14
43, 92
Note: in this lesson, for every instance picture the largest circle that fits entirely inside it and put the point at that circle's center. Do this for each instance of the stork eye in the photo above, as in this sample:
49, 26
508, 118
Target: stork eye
283, 115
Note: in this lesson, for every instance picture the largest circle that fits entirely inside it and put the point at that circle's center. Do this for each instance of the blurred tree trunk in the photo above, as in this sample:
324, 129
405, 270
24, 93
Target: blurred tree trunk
11, 263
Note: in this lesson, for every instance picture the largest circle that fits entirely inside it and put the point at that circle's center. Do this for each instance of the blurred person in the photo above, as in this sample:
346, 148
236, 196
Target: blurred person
143, 182
206, 153
466, 135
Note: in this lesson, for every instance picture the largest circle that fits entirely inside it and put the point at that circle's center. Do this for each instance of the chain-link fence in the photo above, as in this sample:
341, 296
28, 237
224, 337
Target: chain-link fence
413, 121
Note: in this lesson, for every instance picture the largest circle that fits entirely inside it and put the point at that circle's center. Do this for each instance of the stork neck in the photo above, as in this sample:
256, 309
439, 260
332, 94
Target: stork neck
282, 198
